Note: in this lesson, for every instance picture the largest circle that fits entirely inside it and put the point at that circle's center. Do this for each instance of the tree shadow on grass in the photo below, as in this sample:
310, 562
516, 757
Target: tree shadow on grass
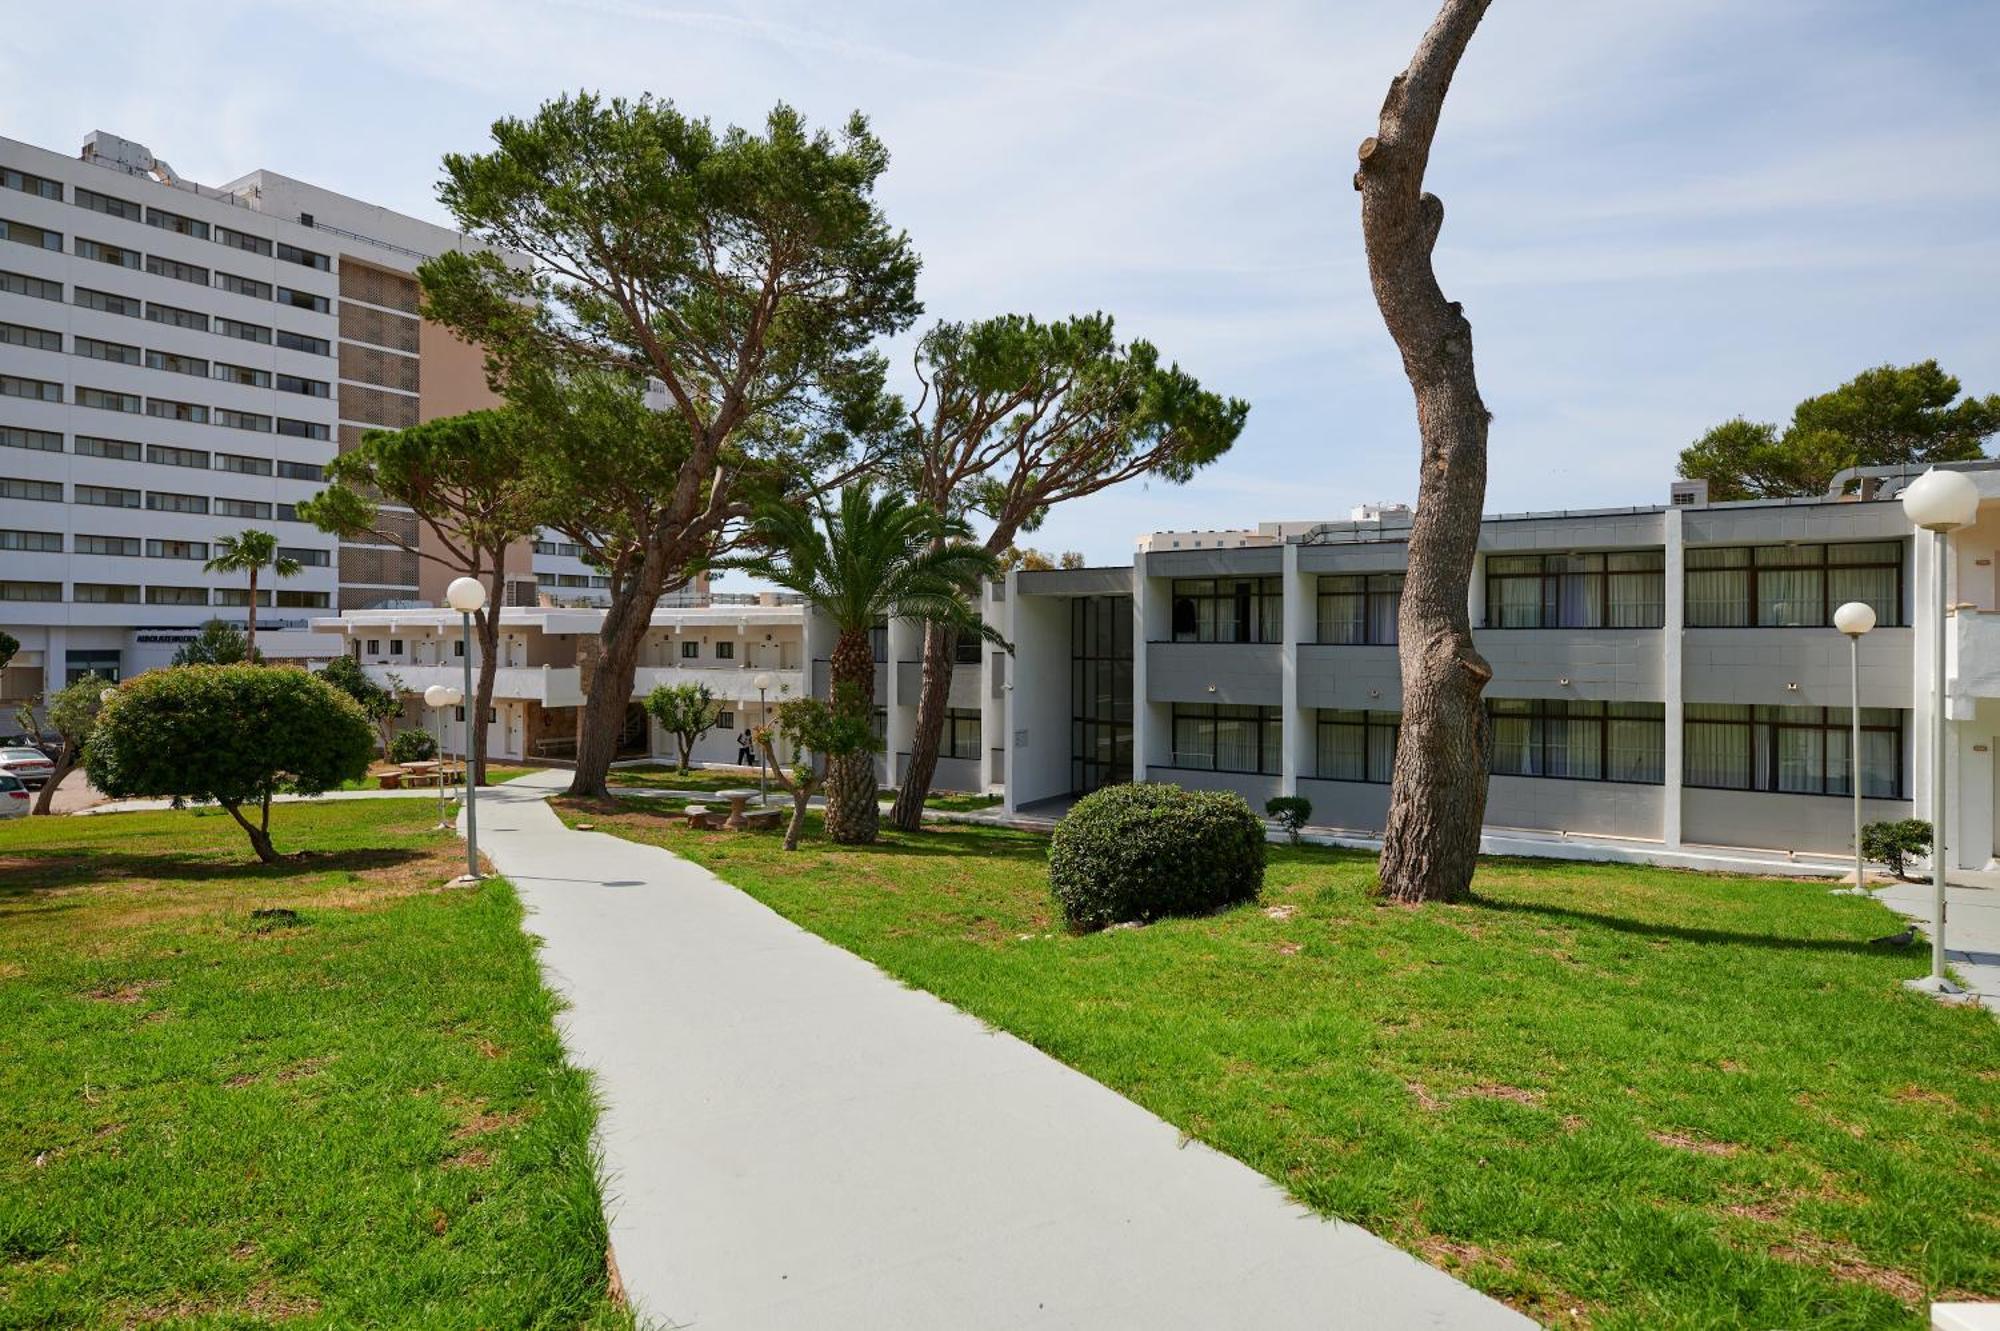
1680, 932
27, 872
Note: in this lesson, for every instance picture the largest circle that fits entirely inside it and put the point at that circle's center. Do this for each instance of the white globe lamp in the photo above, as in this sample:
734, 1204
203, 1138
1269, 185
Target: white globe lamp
437, 695
1854, 618
1941, 501
465, 595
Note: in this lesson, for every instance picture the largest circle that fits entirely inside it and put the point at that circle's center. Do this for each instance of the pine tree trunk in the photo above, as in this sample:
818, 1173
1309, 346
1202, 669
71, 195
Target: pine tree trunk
487, 625
853, 813
1437, 800
604, 707
940, 659
65, 764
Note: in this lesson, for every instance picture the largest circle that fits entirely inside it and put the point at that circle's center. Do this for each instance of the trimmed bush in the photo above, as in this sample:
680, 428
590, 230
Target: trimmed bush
1895, 842
412, 746
1290, 812
1140, 852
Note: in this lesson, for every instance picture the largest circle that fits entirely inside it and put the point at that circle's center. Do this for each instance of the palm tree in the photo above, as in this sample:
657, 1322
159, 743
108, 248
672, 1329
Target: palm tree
251, 551
868, 559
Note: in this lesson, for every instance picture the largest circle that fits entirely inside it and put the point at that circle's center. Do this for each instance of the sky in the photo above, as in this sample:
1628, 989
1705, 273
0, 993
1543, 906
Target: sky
1659, 214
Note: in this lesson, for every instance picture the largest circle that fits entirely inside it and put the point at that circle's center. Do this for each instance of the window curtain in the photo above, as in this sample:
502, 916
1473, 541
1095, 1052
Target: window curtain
1382, 731
1236, 739
1717, 741
1636, 590
1718, 588
1579, 587
1636, 742
1194, 741
1385, 603
1342, 754
1514, 752
1791, 586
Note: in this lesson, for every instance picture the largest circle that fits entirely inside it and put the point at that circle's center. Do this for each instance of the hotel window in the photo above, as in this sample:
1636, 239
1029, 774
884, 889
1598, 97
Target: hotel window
166, 410
248, 376
725, 651
39, 186
242, 241
690, 650
1357, 609
174, 222
109, 303
161, 266
41, 390
30, 591
243, 508
116, 255
174, 363
292, 383
1228, 610
1578, 741
242, 464
109, 205
166, 455
103, 593
164, 502
306, 555
232, 419
106, 496
32, 542
318, 346
961, 734
21, 284
35, 339
1221, 737
301, 429
40, 441
241, 331
878, 640
34, 237
374, 648
45, 492
1793, 750
293, 254
176, 596
118, 353
294, 600
288, 513
1792, 586
175, 317
301, 471
239, 596
301, 300
118, 450
176, 550
243, 286
1355, 746
1623, 589
120, 547
106, 400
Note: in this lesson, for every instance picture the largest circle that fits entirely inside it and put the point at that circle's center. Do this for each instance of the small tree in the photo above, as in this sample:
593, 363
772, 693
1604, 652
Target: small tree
1289, 812
809, 727
9, 644
72, 714
1895, 842
234, 735
685, 711
251, 551
412, 746
380, 705
217, 644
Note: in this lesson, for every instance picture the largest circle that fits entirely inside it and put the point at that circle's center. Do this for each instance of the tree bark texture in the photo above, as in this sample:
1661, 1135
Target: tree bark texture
65, 764
940, 659
259, 832
602, 717
1437, 798
853, 812
487, 625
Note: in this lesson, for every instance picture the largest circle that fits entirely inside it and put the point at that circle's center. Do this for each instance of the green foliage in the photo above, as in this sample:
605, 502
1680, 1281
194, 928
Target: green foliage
1890, 415
9, 645
217, 644
685, 711
412, 746
1141, 852
805, 727
234, 735
1894, 842
376, 703
1290, 812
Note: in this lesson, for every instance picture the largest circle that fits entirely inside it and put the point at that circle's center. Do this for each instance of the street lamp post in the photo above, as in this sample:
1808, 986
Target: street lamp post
1940, 502
1854, 619
467, 595
763, 684
438, 697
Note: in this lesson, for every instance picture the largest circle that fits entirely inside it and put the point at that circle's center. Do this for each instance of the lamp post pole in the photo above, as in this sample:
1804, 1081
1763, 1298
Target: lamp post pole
763, 683
1940, 502
1854, 619
466, 595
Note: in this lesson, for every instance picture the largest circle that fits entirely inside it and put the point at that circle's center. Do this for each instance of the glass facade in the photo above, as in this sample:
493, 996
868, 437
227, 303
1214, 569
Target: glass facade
1792, 586
1228, 610
1100, 666
1793, 750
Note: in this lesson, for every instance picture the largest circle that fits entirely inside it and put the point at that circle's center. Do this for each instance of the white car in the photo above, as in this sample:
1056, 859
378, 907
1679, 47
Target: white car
31, 766
13, 797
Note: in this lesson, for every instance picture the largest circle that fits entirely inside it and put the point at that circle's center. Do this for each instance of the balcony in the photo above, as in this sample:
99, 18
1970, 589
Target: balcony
551, 686
730, 685
1972, 661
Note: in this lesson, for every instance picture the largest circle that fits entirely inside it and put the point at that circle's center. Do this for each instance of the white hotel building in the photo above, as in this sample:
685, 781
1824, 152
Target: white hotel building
180, 362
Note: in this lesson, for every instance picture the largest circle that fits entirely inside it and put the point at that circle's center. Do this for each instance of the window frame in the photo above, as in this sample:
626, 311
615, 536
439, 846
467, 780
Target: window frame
1268, 752
1245, 604
1541, 712
1754, 602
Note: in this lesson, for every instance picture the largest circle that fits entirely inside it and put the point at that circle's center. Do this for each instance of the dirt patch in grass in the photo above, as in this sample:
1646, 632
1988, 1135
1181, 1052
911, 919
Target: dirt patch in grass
1845, 1264
1682, 1141
124, 994
1514, 1094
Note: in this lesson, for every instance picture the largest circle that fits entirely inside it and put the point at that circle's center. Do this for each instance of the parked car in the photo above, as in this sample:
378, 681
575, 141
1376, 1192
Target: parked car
22, 740
13, 797
31, 766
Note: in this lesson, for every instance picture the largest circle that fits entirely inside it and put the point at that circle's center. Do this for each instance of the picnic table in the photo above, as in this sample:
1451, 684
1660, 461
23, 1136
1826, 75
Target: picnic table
738, 801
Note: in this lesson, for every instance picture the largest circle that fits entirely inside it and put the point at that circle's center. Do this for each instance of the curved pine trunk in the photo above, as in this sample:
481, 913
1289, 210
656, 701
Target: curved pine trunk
1437, 800
487, 624
940, 659
602, 719
65, 764
853, 813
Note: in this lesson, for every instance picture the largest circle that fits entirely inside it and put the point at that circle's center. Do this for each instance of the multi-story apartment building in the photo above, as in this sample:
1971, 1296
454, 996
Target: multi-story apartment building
177, 363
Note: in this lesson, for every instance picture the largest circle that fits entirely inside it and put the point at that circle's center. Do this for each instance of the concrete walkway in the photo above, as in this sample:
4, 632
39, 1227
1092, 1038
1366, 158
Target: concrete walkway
796, 1140
1972, 931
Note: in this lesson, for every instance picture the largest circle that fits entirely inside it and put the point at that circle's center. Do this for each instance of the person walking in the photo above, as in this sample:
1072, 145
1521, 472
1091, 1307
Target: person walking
745, 757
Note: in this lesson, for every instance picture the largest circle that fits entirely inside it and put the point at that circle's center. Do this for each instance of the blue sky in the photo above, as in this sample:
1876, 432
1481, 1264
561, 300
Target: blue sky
1659, 213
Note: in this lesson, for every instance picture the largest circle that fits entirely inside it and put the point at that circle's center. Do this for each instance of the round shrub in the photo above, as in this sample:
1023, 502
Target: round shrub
412, 746
1140, 852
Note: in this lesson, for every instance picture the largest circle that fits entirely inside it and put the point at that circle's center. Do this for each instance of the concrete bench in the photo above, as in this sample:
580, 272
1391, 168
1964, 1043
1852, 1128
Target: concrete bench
698, 816
764, 820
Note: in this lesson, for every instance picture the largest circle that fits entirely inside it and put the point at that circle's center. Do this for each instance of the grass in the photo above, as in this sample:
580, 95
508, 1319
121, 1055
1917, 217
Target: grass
1614, 1097
496, 773
664, 776
351, 1111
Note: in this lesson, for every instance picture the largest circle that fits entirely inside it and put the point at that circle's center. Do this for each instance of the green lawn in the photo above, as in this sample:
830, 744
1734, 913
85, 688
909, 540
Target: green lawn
353, 1112
1615, 1097
496, 773
663, 776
